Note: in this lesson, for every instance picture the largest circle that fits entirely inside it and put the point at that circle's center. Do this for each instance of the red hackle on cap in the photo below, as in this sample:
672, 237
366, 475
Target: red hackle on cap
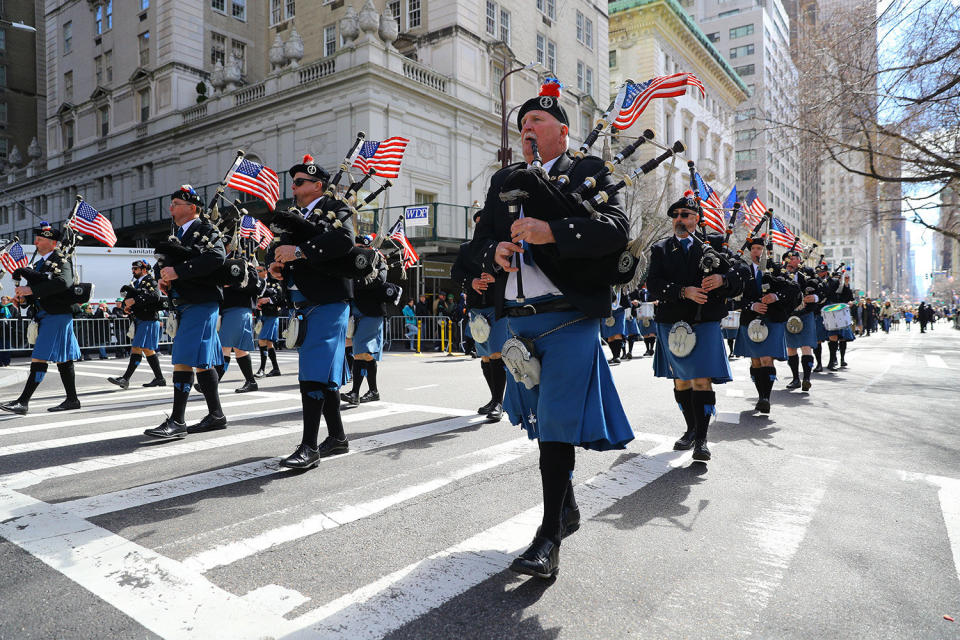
550, 87
307, 159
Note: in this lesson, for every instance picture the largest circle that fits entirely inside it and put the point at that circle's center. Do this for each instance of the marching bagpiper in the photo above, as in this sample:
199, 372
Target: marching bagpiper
142, 301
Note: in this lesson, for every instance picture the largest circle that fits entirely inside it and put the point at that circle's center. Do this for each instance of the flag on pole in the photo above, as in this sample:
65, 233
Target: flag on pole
781, 235
398, 235
753, 209
257, 180
89, 222
384, 156
710, 202
639, 95
250, 227
13, 258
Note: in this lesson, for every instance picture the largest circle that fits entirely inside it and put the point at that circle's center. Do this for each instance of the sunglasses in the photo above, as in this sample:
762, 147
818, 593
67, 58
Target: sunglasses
299, 181
685, 214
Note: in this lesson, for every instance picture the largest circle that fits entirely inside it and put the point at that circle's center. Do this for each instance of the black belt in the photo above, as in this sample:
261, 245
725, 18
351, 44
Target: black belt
550, 306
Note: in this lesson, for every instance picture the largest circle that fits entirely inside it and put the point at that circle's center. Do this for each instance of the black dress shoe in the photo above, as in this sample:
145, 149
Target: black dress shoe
613, 362
700, 451
805, 386
628, 356
763, 405
332, 447
273, 373
370, 396
818, 368
18, 408
210, 422
350, 398
121, 382
833, 366
487, 408
168, 430
541, 559
85, 358
66, 405
303, 458
570, 522
496, 413
843, 364
260, 373
685, 442
156, 382
248, 387
793, 384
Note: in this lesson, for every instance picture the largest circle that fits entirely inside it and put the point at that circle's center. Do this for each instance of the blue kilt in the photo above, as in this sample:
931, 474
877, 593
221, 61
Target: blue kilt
576, 400
632, 329
56, 341
707, 360
147, 334
846, 334
197, 343
270, 329
649, 330
236, 328
775, 346
367, 334
497, 331
619, 324
321, 356
807, 337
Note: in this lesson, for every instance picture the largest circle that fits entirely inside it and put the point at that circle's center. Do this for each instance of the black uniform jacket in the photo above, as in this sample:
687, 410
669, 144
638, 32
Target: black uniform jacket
671, 270
308, 274
370, 298
580, 240
51, 284
193, 283
146, 298
808, 284
836, 293
464, 270
786, 290
274, 291
244, 297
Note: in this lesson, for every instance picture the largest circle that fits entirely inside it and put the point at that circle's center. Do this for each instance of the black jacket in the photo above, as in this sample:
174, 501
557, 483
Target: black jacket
244, 297
51, 284
369, 297
274, 291
836, 293
671, 270
319, 286
787, 292
580, 240
146, 298
193, 283
464, 270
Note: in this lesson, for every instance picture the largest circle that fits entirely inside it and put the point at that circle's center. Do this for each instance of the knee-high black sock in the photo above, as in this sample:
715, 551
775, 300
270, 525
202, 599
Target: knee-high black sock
768, 375
630, 342
132, 365
755, 373
312, 397
210, 385
684, 400
653, 343
372, 375
615, 346
182, 382
818, 352
69, 379
154, 362
794, 362
358, 367
485, 368
246, 367
843, 350
730, 342
221, 369
832, 345
499, 374
556, 463
263, 358
331, 414
348, 351
807, 364
704, 406
273, 357
37, 371
569, 500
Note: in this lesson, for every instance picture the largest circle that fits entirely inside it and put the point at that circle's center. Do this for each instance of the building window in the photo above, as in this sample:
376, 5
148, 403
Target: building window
745, 70
143, 97
104, 121
4, 212
551, 63
98, 67
612, 58
394, 6
239, 9
413, 13
108, 65
491, 18
3, 111
667, 126
727, 14
588, 83
143, 41
747, 155
505, 25
745, 135
109, 24
144, 4
219, 5
496, 77
239, 51
739, 52
330, 40
746, 175
741, 31
98, 20
548, 8
218, 49
586, 123
584, 30
68, 37
580, 69
541, 48
713, 37
68, 86
3, 75
68, 135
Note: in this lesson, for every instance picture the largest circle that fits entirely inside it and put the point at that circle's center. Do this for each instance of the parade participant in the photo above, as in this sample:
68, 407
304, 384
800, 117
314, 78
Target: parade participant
368, 310
142, 301
613, 328
730, 333
801, 335
321, 302
632, 329
543, 295
236, 325
838, 291
49, 291
689, 346
822, 274
648, 327
268, 305
195, 298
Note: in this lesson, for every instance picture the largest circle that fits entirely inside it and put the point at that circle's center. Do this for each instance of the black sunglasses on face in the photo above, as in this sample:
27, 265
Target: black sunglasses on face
685, 214
299, 181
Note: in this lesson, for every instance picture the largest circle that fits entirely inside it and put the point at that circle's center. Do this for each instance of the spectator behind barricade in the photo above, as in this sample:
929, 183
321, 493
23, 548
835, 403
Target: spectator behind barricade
118, 313
8, 324
423, 307
438, 301
410, 323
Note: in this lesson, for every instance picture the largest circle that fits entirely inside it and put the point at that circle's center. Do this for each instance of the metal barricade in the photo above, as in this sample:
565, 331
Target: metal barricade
433, 332
91, 333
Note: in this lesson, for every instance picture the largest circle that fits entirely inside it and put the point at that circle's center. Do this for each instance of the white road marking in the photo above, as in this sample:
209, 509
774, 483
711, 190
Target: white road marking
891, 361
728, 417
949, 495
935, 362
734, 393
423, 386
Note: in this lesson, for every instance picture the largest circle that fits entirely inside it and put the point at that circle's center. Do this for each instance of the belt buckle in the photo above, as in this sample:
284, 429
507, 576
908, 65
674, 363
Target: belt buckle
533, 309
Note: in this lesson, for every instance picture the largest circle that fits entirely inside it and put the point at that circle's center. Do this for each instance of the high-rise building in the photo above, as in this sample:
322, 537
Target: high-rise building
21, 91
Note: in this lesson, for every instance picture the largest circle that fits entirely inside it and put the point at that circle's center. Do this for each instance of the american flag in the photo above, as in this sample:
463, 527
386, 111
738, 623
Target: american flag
90, 222
712, 207
250, 227
753, 209
781, 235
638, 96
398, 235
257, 180
384, 156
728, 205
13, 258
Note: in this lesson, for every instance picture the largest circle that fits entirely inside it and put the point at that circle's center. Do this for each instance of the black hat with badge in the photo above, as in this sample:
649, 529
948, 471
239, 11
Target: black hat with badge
311, 168
757, 240
548, 100
187, 194
687, 201
47, 231
140, 264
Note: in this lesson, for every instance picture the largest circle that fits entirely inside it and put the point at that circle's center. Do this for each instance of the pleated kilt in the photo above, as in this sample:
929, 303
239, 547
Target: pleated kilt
619, 324
648, 330
497, 331
632, 328
321, 356
147, 334
576, 401
775, 346
197, 343
270, 329
846, 334
56, 341
707, 360
236, 328
367, 334
807, 337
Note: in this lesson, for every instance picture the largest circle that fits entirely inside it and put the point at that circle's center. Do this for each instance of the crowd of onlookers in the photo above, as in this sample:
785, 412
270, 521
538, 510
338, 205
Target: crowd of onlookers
871, 316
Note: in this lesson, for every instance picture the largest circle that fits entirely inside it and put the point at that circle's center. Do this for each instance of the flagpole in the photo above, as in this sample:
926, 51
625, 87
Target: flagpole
226, 178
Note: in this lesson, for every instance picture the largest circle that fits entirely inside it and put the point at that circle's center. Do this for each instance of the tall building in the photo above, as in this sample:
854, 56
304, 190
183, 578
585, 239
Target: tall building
21, 94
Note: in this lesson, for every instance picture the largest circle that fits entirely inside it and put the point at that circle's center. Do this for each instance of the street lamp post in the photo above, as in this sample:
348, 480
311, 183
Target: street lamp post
505, 153
18, 25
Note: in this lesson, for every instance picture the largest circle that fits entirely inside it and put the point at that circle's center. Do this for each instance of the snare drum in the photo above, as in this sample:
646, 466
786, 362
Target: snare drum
836, 317
731, 321
645, 311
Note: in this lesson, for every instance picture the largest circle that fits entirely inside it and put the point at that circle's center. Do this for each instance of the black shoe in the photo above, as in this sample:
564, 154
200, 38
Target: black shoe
833, 366
818, 368
210, 422
685, 442
700, 451
303, 458
351, 398
763, 405
85, 357
121, 382
273, 373
794, 384
103, 357
613, 362
629, 356
843, 364
15, 407
496, 413
260, 373
487, 408
805, 386
168, 430
370, 396
541, 559
156, 382
66, 405
332, 447
247, 387
731, 357
570, 522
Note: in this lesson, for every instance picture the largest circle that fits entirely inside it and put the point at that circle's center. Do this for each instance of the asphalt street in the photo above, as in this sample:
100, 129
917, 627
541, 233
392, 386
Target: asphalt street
838, 516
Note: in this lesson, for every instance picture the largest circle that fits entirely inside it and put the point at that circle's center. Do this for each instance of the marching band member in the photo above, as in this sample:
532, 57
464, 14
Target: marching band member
613, 327
648, 327
632, 330
236, 326
368, 310
142, 301
196, 301
48, 289
805, 338
838, 291
689, 347
268, 304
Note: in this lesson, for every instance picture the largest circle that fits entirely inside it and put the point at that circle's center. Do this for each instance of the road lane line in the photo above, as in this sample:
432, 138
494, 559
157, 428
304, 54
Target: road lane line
935, 362
949, 495
423, 386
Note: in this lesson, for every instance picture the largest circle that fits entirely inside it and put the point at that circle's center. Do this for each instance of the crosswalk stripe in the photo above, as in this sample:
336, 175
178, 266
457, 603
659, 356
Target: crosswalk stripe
949, 494
935, 362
